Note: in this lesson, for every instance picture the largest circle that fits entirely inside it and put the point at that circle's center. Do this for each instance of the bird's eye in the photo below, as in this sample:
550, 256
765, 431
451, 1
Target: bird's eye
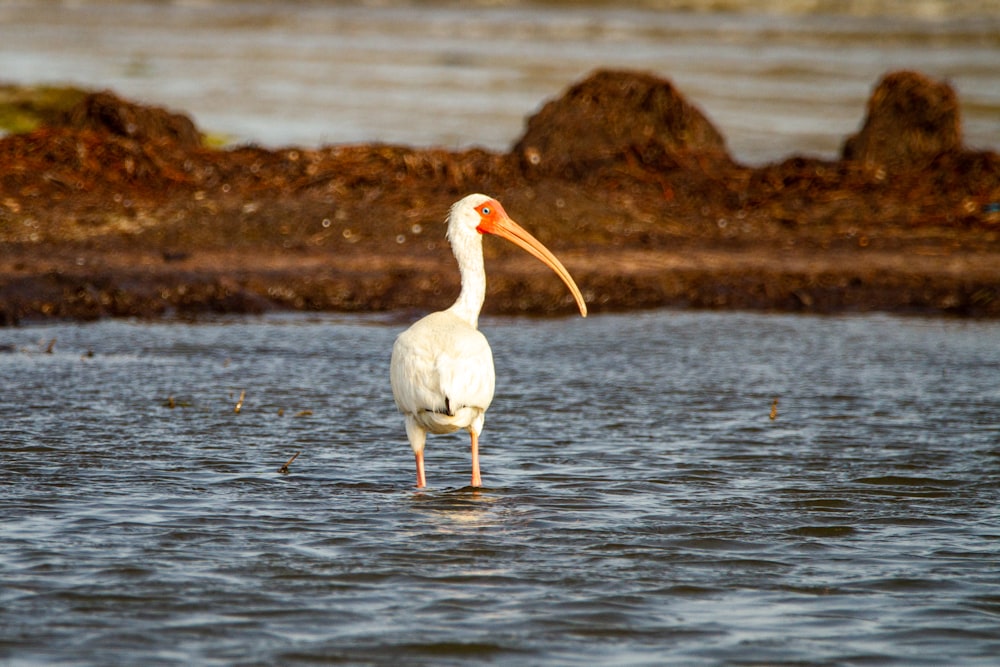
486, 210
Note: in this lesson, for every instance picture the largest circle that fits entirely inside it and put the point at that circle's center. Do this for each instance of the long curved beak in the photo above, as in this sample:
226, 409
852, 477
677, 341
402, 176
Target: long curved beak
504, 227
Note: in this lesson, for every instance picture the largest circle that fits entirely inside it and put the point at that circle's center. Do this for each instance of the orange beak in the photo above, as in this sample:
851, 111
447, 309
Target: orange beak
500, 224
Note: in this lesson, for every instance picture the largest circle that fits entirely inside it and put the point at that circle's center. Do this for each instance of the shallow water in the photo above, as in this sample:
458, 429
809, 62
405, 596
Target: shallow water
640, 505
774, 76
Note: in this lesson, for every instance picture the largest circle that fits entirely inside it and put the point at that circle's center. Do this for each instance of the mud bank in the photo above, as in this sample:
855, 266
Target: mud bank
110, 208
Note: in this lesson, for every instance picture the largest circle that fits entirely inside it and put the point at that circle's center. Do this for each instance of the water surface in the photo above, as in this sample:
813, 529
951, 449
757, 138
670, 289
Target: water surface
640, 507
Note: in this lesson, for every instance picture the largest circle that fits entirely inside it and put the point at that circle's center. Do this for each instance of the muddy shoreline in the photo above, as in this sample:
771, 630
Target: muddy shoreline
113, 209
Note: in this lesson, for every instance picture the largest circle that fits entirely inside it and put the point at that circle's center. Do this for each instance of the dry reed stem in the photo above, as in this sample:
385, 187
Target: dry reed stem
284, 469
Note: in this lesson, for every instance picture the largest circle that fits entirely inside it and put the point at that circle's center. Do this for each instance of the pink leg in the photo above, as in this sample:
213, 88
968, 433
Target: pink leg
476, 479
421, 480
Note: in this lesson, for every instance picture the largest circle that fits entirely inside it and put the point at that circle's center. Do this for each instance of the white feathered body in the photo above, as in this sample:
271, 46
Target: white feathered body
442, 376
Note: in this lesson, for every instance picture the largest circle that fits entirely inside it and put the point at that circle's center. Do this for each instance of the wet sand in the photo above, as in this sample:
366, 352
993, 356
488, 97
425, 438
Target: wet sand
117, 209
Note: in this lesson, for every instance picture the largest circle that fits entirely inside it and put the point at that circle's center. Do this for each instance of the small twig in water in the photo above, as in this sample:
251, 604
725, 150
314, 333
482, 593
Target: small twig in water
172, 403
239, 403
51, 347
774, 410
284, 469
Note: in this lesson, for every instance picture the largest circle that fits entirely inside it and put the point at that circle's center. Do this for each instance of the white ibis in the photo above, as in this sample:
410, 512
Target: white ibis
442, 367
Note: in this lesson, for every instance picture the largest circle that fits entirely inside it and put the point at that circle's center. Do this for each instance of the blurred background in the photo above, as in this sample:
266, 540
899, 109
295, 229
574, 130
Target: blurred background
777, 77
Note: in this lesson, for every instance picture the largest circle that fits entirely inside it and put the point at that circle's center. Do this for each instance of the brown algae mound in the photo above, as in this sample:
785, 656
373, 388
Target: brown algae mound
109, 208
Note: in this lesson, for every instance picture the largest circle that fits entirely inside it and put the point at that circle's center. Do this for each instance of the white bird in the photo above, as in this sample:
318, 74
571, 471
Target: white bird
442, 367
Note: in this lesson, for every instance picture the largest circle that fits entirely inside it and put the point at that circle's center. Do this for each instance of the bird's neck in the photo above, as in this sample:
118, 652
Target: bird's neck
470, 299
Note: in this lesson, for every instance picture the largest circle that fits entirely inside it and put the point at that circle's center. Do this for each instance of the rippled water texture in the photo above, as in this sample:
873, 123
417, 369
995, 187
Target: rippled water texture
776, 77
641, 506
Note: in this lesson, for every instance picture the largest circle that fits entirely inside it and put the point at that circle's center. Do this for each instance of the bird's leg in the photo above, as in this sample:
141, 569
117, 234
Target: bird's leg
417, 437
421, 480
476, 479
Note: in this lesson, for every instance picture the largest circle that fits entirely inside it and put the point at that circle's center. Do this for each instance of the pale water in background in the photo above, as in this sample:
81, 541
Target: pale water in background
776, 77
640, 507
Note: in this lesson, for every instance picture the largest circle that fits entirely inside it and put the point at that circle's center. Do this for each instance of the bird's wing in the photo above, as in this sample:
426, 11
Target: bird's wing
441, 364
465, 372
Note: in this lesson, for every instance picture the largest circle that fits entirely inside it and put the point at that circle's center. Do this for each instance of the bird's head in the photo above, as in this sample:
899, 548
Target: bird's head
479, 214
469, 213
